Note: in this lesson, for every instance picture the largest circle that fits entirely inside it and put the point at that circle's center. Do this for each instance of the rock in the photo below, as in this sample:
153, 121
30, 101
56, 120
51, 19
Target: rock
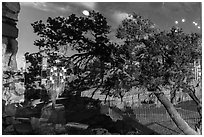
10, 110
9, 130
121, 127
133, 133
115, 115
35, 123
27, 112
100, 121
9, 120
60, 129
14, 7
36, 102
43, 120
23, 129
11, 10
56, 116
9, 30
47, 129
115, 133
77, 125
3, 107
19, 87
10, 48
100, 131
14, 98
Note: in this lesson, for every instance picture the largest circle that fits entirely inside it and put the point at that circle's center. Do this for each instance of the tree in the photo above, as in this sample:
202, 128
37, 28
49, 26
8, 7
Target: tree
97, 59
160, 60
32, 76
148, 58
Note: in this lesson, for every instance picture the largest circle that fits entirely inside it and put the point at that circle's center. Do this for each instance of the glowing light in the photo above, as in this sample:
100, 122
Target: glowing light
196, 24
176, 22
183, 20
198, 27
85, 12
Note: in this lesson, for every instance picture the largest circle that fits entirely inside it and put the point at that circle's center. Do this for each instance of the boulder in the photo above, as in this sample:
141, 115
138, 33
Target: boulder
56, 116
60, 129
47, 129
23, 129
100, 131
10, 110
9, 30
27, 112
10, 10
9, 130
76, 125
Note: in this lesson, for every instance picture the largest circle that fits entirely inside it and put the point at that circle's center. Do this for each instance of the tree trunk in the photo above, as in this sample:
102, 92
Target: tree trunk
191, 93
175, 116
173, 96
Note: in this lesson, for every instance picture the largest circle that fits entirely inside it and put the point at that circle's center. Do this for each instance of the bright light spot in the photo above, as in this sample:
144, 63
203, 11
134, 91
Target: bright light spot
196, 24
183, 20
85, 12
176, 22
198, 27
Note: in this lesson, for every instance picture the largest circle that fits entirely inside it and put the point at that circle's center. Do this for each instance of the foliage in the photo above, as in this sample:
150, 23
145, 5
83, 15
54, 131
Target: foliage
148, 58
97, 60
33, 72
161, 59
158, 58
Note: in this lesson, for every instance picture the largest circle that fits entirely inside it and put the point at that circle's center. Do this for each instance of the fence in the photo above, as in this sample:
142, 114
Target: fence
159, 120
154, 116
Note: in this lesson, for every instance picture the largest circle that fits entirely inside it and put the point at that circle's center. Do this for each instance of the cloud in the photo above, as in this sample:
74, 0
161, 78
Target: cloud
38, 5
119, 16
46, 6
89, 5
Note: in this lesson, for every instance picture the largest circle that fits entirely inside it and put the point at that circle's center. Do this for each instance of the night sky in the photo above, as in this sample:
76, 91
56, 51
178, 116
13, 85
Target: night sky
186, 15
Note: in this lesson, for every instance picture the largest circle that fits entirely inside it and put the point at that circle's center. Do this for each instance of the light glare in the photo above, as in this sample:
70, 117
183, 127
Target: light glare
183, 20
85, 12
